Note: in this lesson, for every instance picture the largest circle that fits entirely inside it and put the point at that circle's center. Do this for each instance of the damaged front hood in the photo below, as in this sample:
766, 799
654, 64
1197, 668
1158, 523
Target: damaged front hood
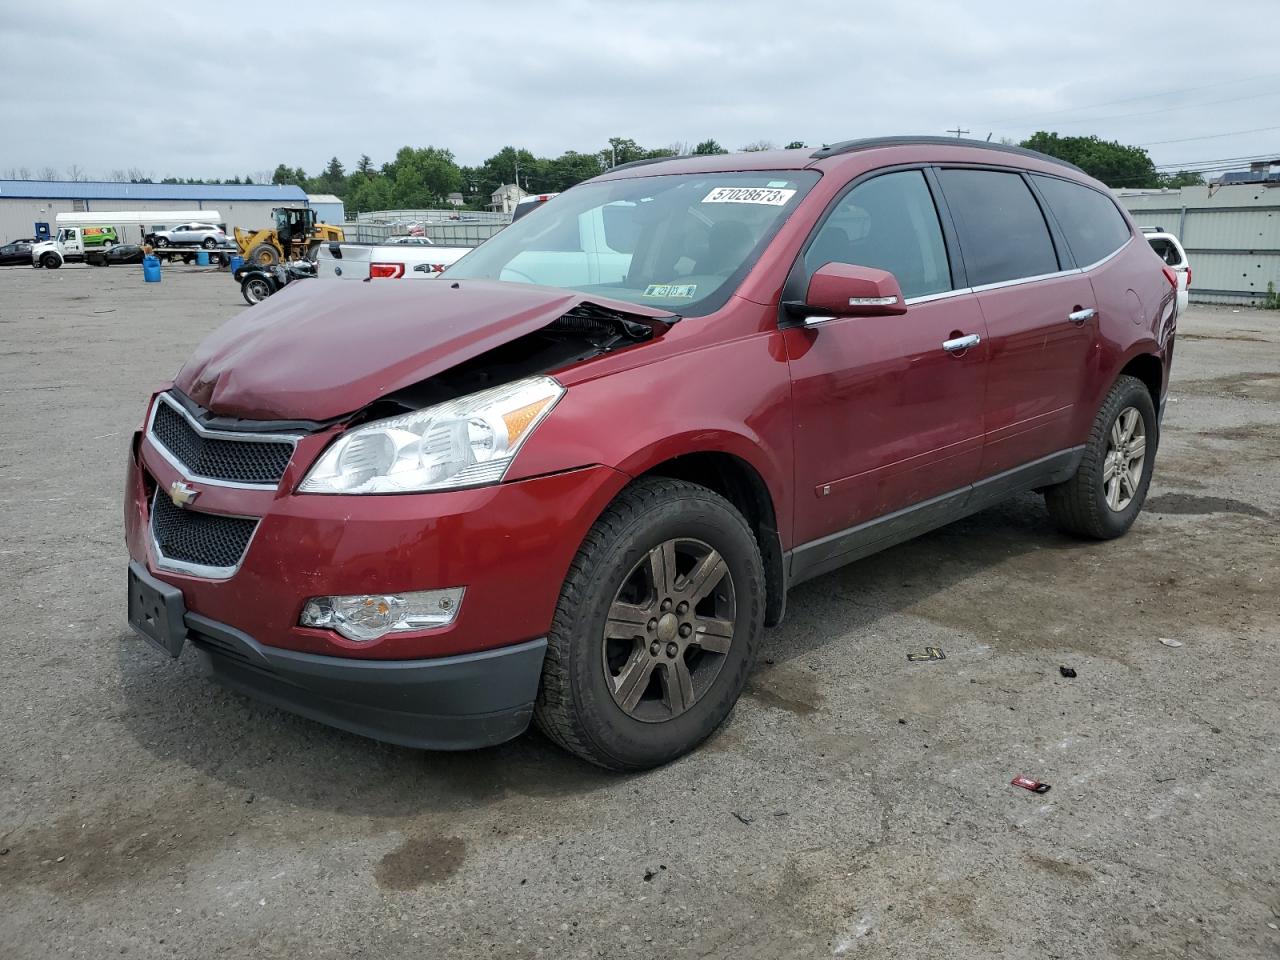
321, 349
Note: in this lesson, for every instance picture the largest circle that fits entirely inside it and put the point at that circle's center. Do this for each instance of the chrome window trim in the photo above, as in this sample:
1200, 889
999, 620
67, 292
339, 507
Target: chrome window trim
197, 569
1019, 281
173, 461
944, 295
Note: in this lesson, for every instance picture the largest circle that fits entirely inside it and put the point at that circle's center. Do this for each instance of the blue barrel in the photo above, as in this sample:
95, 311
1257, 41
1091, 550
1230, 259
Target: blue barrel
202, 258
151, 269
237, 262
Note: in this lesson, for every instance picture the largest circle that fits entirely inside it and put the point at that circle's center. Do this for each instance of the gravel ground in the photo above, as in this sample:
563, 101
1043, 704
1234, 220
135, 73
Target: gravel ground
856, 804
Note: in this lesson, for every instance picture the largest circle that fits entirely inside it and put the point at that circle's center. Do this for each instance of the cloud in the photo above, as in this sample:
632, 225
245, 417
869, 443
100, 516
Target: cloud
189, 90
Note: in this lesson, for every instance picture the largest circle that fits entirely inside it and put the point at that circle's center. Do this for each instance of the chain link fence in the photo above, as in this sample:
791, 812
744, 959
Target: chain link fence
448, 228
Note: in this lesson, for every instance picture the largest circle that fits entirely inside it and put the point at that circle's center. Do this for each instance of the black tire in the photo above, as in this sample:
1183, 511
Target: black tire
575, 706
208, 243
108, 244
162, 241
1079, 506
264, 254
51, 261
255, 290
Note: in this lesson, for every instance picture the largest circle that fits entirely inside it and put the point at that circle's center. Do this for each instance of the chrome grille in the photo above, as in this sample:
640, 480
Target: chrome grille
206, 544
221, 456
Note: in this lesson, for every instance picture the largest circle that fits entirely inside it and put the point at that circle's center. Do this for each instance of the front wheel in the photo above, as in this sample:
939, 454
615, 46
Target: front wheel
208, 243
162, 241
656, 629
1108, 489
51, 261
255, 290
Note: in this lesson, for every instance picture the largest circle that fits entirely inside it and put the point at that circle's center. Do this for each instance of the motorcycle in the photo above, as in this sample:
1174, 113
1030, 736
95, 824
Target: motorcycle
259, 281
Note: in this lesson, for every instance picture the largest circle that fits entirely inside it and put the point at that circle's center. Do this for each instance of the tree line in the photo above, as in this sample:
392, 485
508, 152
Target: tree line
425, 177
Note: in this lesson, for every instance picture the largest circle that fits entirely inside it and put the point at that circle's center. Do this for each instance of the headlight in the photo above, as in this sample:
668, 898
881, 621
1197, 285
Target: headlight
467, 442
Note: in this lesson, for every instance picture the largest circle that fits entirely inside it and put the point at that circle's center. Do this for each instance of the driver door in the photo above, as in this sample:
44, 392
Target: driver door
887, 421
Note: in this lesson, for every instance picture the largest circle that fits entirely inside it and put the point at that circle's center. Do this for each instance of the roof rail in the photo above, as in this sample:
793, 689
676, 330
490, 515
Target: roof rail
640, 163
871, 143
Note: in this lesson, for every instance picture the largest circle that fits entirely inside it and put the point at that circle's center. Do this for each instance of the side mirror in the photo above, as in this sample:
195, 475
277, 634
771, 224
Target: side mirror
846, 290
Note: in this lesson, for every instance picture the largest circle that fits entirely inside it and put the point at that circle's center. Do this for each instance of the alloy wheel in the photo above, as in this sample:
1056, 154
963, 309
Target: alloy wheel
669, 628
1126, 453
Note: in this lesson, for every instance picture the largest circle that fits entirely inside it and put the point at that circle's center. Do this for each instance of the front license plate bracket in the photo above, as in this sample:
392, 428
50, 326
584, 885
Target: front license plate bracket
157, 612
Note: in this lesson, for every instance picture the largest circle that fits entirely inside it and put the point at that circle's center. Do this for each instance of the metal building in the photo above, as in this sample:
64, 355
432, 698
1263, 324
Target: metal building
25, 203
1231, 233
328, 208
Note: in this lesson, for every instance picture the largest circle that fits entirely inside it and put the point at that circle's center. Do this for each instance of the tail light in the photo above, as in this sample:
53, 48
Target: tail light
1172, 276
386, 271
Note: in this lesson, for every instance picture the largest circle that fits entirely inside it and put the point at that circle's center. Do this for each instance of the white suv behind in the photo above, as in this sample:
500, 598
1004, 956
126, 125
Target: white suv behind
1172, 253
207, 235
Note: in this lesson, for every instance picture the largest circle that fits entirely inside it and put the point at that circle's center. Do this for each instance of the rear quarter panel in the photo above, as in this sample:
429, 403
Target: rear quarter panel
1136, 315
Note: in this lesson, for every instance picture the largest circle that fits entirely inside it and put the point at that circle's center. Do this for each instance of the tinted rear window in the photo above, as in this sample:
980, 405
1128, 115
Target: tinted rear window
1093, 226
1003, 235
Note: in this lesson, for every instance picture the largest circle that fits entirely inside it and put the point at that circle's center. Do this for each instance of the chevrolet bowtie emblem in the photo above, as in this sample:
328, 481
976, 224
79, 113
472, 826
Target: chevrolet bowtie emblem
182, 493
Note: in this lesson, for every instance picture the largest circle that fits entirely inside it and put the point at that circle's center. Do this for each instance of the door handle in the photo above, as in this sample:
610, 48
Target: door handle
960, 344
1080, 316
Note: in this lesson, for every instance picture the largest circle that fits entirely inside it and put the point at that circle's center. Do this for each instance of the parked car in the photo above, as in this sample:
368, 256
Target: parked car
120, 253
207, 235
410, 241
392, 261
1169, 249
574, 480
527, 205
18, 252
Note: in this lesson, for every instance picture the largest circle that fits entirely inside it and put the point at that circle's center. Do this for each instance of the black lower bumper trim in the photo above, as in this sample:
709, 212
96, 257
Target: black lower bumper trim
448, 703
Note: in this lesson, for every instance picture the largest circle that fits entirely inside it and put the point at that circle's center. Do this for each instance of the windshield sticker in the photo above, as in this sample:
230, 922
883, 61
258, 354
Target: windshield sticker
671, 291
776, 183
769, 196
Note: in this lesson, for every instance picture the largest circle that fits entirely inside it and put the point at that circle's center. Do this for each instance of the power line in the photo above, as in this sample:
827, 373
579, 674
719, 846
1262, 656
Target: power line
1144, 96
1209, 136
1181, 106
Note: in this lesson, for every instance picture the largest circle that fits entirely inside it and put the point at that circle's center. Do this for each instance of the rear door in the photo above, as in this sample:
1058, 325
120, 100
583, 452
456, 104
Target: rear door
884, 417
1039, 311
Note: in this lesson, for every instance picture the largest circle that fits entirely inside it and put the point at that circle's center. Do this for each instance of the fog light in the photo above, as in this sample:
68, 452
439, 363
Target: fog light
370, 616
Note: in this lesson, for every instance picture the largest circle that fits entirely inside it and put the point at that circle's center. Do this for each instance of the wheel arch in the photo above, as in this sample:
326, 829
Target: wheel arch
739, 482
1149, 368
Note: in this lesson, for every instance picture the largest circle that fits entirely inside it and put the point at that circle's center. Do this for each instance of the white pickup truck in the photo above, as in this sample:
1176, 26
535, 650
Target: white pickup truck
366, 261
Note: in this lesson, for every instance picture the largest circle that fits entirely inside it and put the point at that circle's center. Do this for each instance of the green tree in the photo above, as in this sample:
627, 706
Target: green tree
364, 165
796, 145
1183, 178
370, 193
424, 176
1115, 164
569, 168
708, 147
757, 145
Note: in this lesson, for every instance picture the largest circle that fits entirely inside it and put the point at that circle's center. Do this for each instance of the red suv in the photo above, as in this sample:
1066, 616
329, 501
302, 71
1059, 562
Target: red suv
572, 480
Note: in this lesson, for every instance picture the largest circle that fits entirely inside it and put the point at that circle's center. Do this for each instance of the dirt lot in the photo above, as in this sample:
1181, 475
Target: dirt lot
855, 805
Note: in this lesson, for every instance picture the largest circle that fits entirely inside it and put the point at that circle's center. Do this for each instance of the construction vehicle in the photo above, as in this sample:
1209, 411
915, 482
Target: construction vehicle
296, 235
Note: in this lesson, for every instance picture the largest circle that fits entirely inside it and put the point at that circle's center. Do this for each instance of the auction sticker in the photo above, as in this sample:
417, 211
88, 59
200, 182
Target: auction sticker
769, 196
671, 291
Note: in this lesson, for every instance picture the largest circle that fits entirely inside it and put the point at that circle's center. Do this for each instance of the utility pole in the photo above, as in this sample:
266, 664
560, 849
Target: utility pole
957, 131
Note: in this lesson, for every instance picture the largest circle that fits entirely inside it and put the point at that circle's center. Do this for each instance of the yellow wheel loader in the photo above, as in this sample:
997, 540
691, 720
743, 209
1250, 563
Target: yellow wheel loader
296, 235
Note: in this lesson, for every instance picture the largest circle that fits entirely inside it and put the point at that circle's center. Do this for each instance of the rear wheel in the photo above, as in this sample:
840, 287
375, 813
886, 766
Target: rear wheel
255, 290
162, 241
208, 243
264, 254
656, 629
1106, 493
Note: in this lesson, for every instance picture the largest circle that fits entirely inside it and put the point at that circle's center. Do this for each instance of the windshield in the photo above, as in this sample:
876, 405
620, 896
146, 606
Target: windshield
680, 242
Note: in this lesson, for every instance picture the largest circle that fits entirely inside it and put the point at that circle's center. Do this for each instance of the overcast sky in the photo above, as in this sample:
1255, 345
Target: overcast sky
222, 89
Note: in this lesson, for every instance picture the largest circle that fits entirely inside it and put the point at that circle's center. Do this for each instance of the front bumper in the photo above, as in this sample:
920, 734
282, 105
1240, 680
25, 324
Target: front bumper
445, 703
